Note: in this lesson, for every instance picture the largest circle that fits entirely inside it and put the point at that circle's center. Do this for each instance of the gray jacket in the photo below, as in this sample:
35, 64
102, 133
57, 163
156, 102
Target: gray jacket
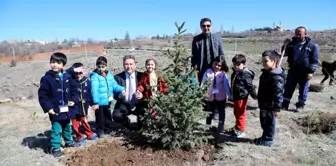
197, 49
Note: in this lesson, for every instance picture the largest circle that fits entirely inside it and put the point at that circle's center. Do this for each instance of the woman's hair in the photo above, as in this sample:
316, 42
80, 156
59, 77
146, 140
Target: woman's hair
225, 67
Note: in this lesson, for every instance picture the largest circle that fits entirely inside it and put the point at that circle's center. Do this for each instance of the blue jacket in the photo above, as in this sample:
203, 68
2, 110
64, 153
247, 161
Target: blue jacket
103, 87
271, 87
84, 94
53, 91
302, 59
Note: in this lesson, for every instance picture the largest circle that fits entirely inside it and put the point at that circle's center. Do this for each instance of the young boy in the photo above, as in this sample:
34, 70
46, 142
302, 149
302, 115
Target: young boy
83, 85
56, 94
103, 85
270, 96
241, 87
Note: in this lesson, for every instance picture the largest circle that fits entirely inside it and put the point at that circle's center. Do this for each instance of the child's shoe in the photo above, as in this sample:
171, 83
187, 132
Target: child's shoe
73, 144
240, 134
262, 142
220, 127
94, 137
237, 133
82, 140
57, 153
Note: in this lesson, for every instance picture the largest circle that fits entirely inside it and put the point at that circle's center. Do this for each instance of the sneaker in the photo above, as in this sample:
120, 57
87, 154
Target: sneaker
299, 107
262, 142
82, 140
240, 134
57, 153
73, 144
94, 137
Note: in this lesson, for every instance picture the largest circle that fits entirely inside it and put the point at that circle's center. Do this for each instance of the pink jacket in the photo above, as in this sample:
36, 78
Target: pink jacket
219, 90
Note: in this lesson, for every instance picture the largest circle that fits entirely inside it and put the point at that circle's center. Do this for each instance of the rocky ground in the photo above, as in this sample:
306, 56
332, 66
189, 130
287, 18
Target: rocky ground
24, 129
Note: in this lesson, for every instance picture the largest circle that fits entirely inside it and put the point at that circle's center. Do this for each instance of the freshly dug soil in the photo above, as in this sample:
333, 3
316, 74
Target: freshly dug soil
319, 122
115, 153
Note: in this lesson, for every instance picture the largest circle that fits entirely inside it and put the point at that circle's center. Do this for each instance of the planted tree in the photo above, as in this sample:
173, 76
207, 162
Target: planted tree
179, 111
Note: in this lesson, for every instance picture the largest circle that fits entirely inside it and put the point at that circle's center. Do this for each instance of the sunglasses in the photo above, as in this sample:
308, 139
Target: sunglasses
79, 73
208, 25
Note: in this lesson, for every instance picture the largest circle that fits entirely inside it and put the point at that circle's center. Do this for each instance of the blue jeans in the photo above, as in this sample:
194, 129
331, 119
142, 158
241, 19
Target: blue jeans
294, 78
267, 122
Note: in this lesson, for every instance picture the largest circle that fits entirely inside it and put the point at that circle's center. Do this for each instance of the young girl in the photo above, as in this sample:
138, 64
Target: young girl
218, 91
151, 83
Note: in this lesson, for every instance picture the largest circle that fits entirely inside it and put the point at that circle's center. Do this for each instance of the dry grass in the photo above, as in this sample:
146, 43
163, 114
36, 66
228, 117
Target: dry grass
24, 128
319, 123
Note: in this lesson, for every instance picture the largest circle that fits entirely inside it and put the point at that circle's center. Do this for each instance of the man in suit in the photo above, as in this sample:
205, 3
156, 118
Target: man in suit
127, 105
205, 48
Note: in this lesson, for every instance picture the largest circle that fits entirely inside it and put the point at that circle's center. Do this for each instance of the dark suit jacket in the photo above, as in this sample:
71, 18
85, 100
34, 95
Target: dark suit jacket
121, 80
197, 49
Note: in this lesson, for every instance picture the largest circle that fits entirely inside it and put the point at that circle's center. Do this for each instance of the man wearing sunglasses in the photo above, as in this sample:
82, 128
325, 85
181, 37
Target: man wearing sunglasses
205, 48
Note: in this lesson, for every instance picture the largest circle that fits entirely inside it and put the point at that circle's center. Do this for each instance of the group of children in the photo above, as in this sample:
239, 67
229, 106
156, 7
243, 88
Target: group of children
67, 94
269, 96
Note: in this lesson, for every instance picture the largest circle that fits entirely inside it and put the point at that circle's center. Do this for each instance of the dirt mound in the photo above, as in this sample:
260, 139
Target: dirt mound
318, 122
117, 153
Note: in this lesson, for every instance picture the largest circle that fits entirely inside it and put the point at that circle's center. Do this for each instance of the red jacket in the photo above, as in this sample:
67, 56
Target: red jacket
145, 81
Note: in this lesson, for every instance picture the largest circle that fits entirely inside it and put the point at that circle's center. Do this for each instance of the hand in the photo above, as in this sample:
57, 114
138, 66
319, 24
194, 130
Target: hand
123, 93
138, 95
78, 69
310, 76
276, 114
254, 95
95, 107
71, 103
51, 111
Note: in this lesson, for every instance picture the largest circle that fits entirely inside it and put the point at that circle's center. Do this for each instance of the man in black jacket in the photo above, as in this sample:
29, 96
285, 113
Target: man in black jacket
125, 106
205, 48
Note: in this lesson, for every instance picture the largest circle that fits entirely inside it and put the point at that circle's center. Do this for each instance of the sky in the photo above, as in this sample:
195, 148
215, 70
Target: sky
107, 19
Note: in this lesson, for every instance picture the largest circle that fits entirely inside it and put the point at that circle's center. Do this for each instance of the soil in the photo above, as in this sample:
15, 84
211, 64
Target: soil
128, 155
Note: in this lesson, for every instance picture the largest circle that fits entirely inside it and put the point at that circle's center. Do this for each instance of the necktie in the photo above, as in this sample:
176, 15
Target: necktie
130, 88
207, 41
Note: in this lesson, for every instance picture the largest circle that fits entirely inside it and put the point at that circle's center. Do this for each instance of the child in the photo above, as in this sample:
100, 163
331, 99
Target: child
56, 94
151, 83
103, 85
241, 88
218, 91
270, 96
83, 84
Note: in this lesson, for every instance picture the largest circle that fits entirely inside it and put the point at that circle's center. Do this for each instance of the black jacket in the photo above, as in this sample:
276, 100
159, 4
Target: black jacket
121, 80
270, 92
241, 84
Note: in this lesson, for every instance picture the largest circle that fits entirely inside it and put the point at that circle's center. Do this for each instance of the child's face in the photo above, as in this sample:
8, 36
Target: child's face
150, 66
268, 63
101, 68
239, 67
56, 66
216, 66
80, 75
